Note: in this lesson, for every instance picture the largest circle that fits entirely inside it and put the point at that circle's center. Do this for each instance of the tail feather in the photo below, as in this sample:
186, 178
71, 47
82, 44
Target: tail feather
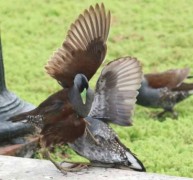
30, 117
17, 118
134, 162
21, 117
184, 87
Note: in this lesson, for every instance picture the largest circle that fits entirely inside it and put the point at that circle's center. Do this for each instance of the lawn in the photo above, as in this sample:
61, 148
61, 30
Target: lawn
159, 33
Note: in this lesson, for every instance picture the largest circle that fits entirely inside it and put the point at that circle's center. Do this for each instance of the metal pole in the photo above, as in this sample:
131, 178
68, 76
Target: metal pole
2, 77
11, 105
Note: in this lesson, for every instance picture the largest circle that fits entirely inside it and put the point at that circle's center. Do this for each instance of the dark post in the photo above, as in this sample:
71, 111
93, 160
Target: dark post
10, 105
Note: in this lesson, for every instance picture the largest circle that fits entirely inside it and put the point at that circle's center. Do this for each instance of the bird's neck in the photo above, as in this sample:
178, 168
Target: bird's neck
75, 98
148, 96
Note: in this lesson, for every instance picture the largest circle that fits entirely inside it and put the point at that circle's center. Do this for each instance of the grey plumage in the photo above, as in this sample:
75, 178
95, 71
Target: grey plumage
165, 90
81, 82
114, 101
109, 152
116, 91
159, 98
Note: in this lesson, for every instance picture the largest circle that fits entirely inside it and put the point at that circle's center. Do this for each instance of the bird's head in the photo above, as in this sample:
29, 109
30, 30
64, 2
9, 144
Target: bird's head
81, 82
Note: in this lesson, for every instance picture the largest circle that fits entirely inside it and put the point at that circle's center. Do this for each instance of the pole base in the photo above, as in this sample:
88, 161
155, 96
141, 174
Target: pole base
11, 105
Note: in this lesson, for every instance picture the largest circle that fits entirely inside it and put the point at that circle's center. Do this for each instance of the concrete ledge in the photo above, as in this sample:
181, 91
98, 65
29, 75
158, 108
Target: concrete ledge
15, 168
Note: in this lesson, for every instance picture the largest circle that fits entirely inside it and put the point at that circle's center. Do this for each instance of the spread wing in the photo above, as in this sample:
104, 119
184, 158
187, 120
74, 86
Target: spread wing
170, 79
116, 91
84, 49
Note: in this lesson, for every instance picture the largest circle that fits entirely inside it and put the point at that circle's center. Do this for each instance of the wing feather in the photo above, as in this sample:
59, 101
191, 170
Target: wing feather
170, 79
84, 49
116, 91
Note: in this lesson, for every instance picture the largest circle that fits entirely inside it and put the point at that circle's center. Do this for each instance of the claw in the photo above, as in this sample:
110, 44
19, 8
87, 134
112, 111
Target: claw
76, 166
73, 168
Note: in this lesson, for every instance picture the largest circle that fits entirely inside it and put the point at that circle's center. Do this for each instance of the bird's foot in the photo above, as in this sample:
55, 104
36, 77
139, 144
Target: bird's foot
72, 168
75, 166
63, 170
172, 112
161, 114
45, 153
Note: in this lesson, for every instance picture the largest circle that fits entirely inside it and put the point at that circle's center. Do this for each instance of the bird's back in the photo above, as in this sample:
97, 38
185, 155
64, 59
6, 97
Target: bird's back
160, 97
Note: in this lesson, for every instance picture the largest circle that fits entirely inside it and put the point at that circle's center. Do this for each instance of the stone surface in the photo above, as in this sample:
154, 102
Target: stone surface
14, 168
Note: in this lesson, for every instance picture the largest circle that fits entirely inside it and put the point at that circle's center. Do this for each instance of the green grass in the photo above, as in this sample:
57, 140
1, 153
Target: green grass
159, 33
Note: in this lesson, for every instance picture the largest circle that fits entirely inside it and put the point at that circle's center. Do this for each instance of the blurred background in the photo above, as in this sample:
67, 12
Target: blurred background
159, 33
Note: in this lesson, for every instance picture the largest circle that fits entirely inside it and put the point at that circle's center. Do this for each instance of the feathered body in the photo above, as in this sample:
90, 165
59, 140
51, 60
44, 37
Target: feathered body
81, 54
60, 116
164, 90
110, 152
114, 101
56, 119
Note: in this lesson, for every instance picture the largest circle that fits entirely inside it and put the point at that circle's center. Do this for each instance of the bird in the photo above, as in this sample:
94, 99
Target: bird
165, 90
58, 111
79, 58
114, 100
72, 65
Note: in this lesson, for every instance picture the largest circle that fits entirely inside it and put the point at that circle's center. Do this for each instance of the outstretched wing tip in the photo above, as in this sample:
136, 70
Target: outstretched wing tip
116, 91
86, 35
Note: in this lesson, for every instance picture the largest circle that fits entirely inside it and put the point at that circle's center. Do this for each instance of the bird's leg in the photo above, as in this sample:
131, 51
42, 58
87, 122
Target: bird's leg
90, 134
174, 113
160, 115
74, 168
46, 155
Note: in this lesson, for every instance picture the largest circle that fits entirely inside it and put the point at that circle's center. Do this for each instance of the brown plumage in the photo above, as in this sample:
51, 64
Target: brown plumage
56, 118
84, 49
65, 130
170, 79
82, 52
61, 118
